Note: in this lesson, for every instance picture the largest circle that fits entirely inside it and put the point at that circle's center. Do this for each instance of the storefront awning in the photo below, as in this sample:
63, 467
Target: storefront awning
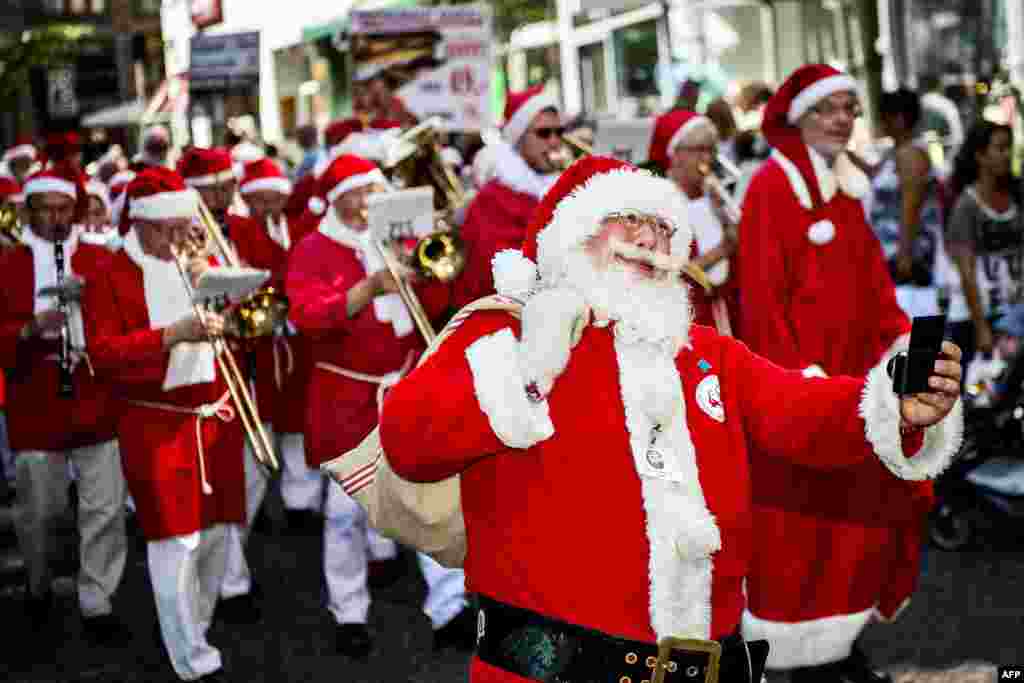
332, 28
120, 115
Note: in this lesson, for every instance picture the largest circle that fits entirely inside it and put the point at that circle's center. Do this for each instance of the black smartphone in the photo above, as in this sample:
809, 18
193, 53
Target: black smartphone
912, 370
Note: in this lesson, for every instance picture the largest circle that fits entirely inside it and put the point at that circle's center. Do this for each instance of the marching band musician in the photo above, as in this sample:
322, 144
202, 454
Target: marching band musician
20, 158
181, 442
524, 168
47, 429
363, 339
97, 230
818, 298
627, 435
685, 144
264, 240
211, 173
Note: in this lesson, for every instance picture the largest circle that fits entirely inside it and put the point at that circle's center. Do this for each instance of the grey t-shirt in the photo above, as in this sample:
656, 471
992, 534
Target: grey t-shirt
998, 242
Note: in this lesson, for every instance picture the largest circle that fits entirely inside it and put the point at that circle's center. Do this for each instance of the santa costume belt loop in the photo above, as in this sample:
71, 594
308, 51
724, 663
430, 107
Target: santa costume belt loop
383, 382
544, 649
221, 409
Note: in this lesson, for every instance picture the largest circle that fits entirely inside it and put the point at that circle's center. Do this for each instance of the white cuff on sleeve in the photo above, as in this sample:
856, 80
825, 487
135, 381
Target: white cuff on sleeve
500, 391
880, 408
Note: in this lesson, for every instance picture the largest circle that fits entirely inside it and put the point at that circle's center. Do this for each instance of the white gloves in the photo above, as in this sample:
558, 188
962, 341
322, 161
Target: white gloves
553, 321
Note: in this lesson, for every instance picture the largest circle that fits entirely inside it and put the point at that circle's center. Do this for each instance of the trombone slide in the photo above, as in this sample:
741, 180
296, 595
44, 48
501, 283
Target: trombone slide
409, 298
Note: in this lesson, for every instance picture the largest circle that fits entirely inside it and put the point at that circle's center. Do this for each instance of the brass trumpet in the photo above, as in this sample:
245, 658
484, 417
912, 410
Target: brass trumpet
572, 149
10, 225
237, 383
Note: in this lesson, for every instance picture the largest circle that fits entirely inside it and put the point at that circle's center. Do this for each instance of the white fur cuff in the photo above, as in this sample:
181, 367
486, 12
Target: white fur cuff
498, 381
880, 408
806, 643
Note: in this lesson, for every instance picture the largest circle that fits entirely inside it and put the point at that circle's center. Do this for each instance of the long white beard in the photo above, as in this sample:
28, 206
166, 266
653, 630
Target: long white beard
654, 311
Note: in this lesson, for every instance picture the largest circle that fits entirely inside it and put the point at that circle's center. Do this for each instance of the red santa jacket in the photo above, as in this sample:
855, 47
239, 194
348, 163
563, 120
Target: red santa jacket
32, 374
815, 290
342, 411
159, 446
282, 363
541, 518
496, 219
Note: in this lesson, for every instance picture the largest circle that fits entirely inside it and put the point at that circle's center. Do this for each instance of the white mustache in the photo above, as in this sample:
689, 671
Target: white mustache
666, 263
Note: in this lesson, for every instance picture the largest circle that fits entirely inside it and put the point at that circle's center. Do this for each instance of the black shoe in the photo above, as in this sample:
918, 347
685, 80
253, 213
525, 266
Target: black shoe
353, 640
39, 609
459, 633
384, 573
304, 522
857, 668
217, 676
105, 629
241, 609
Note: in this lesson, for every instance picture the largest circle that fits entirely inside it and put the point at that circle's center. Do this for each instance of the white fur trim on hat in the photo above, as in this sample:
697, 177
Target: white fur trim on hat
816, 92
20, 151
51, 184
515, 127
211, 178
165, 205
356, 181
578, 216
122, 178
280, 185
688, 129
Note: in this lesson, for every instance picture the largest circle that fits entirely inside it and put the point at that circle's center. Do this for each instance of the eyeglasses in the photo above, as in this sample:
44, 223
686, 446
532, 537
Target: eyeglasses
546, 133
633, 221
700, 149
827, 110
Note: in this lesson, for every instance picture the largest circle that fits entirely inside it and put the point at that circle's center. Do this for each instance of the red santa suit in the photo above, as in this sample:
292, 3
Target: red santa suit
354, 360
181, 443
499, 214
80, 428
832, 550
550, 483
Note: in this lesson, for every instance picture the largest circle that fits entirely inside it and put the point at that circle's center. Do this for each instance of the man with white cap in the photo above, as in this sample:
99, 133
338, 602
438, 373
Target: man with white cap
602, 443
363, 339
685, 145
817, 297
524, 169
50, 421
212, 173
181, 442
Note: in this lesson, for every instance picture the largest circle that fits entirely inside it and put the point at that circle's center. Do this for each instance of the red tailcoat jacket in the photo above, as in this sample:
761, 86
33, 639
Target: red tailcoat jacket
159, 448
37, 419
282, 363
495, 220
563, 526
342, 411
815, 290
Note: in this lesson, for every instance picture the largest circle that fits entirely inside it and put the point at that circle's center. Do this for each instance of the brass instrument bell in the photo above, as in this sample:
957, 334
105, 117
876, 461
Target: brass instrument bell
440, 255
259, 314
10, 224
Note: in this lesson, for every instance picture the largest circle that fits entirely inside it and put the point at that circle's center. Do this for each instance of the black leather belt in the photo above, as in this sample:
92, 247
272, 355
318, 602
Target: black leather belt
537, 647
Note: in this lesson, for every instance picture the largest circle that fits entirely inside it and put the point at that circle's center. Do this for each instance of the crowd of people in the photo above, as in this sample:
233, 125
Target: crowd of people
692, 376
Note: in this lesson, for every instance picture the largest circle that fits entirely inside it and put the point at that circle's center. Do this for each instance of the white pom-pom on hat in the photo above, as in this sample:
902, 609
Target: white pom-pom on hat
317, 205
514, 274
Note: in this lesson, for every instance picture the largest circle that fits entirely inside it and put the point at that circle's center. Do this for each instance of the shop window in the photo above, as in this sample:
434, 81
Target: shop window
636, 50
592, 78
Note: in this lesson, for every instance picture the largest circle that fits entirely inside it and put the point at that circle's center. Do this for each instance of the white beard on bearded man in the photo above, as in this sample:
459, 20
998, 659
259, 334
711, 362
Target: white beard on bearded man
655, 310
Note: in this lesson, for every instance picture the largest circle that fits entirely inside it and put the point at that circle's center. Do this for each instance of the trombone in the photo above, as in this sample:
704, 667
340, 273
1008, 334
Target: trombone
717, 175
233, 377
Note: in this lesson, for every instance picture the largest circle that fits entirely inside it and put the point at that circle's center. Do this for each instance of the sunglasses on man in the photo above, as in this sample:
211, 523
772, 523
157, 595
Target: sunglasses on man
546, 132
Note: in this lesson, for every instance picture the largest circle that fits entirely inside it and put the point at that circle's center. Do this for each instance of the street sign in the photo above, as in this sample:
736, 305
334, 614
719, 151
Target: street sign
225, 62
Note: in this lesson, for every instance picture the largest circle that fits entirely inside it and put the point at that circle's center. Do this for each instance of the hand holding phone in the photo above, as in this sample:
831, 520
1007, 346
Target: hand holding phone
910, 371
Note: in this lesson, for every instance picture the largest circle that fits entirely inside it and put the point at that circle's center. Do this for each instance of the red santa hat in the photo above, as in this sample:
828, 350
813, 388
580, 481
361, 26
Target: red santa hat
61, 179
804, 88
521, 108
385, 124
671, 130
62, 146
23, 147
573, 209
337, 131
120, 181
159, 193
10, 190
264, 174
347, 172
201, 167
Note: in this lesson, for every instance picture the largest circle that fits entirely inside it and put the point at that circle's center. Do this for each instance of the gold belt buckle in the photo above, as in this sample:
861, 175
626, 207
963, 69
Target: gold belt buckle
664, 665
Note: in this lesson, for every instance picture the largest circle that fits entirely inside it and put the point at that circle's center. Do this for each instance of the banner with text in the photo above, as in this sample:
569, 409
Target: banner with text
410, 64
226, 61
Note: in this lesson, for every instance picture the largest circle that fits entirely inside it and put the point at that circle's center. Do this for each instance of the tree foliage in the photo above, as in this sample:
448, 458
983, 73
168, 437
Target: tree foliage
44, 47
509, 14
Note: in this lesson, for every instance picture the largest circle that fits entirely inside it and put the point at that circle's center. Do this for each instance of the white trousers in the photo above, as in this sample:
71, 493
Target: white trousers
302, 487
237, 578
186, 573
42, 496
349, 544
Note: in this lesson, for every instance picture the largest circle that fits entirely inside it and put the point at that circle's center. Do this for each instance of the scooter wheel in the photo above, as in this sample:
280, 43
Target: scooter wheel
950, 528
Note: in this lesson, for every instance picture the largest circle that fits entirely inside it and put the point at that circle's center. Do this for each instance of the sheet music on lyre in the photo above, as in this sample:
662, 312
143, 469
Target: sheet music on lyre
624, 139
402, 214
